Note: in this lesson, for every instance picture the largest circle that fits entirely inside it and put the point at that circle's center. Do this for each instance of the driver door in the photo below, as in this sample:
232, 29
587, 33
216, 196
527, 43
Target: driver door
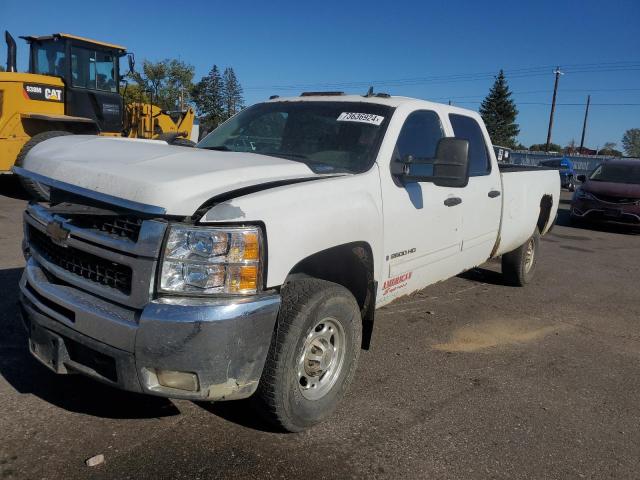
422, 230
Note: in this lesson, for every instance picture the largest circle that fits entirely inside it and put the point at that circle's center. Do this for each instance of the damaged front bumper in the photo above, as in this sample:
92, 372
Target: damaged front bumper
220, 345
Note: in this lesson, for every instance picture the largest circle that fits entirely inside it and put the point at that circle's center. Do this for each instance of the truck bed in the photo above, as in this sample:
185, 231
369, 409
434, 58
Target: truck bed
509, 167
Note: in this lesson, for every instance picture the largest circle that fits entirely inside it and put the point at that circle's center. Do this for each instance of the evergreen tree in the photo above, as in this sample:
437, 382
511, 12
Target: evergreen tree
208, 96
232, 93
499, 113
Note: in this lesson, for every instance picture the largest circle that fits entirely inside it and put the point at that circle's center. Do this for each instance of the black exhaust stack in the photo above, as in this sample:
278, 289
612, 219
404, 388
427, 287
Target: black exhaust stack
11, 52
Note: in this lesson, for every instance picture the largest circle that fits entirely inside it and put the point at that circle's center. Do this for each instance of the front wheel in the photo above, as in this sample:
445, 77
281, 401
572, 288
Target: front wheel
313, 354
519, 265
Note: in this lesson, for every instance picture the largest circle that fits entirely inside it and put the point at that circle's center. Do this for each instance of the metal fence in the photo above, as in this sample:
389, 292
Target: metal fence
581, 163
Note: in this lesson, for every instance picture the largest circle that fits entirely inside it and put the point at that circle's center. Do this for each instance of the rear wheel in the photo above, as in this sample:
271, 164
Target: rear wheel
313, 354
519, 265
35, 189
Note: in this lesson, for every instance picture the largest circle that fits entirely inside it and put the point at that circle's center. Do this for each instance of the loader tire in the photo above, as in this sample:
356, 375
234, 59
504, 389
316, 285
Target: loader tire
313, 354
519, 265
35, 189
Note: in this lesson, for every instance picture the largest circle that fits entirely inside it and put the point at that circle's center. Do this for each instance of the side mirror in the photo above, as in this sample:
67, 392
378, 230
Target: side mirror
449, 168
582, 178
132, 62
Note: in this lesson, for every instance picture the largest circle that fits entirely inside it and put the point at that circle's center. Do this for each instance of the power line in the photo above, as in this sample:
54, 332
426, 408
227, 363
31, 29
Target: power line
528, 92
546, 104
463, 77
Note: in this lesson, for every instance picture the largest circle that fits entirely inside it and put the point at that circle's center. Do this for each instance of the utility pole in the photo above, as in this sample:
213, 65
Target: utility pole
553, 106
584, 125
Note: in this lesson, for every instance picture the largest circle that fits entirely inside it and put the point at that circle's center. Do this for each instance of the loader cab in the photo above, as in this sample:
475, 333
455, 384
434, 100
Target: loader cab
91, 74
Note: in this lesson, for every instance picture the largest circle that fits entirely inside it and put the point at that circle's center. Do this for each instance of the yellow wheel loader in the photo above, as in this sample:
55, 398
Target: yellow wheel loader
73, 87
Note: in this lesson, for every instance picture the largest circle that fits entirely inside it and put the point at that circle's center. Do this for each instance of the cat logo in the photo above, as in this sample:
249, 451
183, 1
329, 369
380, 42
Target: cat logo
44, 93
53, 94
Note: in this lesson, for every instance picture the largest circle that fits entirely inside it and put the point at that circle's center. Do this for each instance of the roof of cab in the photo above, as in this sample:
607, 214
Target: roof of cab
75, 37
392, 101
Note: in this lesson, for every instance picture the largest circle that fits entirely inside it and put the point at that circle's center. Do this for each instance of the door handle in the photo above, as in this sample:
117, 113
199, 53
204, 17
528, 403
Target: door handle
452, 201
494, 193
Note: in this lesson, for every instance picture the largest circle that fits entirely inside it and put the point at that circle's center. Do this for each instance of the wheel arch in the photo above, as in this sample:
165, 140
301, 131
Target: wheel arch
546, 205
350, 265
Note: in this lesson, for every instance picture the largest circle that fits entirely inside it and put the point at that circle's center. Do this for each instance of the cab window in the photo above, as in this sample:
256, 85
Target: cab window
49, 59
468, 129
419, 138
94, 70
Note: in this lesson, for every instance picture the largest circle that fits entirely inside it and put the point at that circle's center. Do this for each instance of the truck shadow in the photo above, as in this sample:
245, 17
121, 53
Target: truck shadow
10, 187
70, 392
484, 275
240, 412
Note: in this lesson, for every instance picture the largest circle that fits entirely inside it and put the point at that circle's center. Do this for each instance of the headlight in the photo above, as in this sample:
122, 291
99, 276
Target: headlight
582, 195
209, 260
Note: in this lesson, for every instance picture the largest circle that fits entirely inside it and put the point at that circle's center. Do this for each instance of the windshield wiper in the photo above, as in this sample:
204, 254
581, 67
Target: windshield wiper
284, 154
219, 148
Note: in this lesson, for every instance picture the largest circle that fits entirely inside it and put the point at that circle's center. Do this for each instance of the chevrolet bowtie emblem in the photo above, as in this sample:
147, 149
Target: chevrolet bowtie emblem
57, 233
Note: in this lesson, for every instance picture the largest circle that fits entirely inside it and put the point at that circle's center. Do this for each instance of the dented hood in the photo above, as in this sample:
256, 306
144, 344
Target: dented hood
176, 179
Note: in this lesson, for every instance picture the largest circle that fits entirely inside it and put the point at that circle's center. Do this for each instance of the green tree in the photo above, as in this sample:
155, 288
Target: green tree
540, 147
208, 97
135, 93
609, 148
231, 93
1, 68
168, 83
499, 113
631, 142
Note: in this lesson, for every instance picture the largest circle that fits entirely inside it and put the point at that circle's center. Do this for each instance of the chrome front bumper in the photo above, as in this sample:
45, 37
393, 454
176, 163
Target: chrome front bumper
224, 341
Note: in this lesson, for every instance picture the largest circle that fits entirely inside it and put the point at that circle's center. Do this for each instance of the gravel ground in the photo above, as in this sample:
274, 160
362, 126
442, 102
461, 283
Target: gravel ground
466, 379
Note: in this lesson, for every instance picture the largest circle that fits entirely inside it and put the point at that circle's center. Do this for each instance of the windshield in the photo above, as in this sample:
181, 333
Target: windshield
616, 173
327, 136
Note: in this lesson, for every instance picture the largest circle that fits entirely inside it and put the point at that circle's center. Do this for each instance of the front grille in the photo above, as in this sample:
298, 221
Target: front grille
120, 227
83, 264
613, 199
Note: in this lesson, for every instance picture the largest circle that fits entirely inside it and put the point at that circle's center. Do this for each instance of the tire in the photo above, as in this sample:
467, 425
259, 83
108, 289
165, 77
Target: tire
183, 142
286, 395
519, 265
34, 189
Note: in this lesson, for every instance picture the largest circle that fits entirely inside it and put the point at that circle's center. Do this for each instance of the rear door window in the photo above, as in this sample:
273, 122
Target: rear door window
468, 129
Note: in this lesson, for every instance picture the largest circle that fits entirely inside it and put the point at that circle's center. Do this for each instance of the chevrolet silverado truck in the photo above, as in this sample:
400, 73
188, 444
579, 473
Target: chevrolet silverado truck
252, 265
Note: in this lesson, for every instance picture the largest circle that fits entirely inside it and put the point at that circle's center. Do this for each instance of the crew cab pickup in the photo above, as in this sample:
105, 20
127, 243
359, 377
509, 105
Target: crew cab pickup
252, 264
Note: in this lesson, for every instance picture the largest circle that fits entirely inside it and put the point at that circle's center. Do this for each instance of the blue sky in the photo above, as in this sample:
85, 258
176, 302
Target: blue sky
430, 50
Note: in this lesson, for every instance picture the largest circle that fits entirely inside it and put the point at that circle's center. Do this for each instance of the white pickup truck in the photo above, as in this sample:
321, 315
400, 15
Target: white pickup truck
252, 265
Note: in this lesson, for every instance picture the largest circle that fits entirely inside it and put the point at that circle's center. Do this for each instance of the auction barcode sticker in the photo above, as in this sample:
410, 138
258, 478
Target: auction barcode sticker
360, 117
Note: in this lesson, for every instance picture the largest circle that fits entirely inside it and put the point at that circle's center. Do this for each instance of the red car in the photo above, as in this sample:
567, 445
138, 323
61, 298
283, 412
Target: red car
611, 193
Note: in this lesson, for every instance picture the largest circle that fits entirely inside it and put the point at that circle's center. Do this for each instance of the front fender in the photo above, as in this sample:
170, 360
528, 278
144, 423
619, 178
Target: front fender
306, 218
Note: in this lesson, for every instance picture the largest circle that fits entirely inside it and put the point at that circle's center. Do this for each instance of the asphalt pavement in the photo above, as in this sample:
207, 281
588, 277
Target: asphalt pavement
466, 379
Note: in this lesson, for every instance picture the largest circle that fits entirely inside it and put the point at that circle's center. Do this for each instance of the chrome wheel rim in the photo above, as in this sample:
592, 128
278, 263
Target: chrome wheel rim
322, 359
529, 255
